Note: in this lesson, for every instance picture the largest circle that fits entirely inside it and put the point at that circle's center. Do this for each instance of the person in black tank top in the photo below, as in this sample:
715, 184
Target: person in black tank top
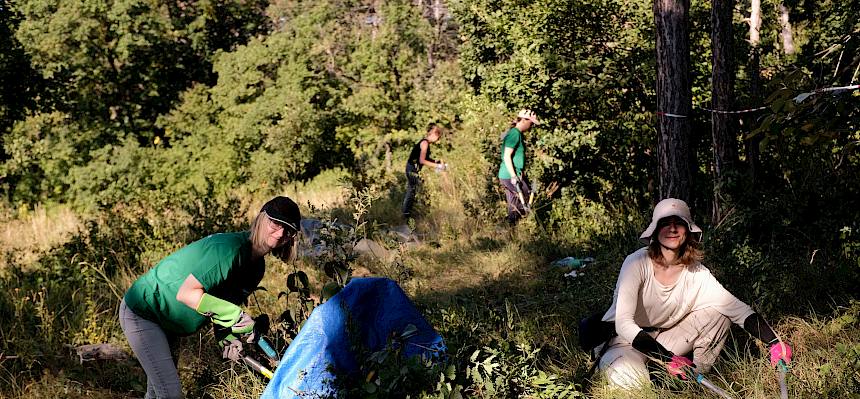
418, 158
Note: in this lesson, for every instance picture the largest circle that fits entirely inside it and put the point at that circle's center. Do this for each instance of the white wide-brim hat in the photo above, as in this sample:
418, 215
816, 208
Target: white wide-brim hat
530, 115
665, 208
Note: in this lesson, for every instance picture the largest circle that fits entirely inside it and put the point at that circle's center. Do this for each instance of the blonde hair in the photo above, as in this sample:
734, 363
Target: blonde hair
259, 233
689, 254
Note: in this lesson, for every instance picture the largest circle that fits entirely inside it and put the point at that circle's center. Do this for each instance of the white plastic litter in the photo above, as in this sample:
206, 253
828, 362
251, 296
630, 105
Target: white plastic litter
575, 273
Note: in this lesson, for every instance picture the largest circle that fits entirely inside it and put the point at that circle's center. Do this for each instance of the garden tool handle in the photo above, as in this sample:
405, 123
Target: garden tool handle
783, 387
258, 367
520, 196
715, 389
264, 344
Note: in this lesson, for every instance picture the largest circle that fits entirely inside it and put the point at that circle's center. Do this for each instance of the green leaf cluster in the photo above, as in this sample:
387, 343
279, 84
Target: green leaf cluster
585, 67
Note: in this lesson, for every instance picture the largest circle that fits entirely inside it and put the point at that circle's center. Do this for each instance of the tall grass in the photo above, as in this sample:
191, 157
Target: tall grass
325, 191
27, 233
508, 317
825, 364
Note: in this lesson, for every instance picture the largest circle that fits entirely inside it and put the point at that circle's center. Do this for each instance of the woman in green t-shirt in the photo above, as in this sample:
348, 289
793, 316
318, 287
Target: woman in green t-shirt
513, 164
205, 280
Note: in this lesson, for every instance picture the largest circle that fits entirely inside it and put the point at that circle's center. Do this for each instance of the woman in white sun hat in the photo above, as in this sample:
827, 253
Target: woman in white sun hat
668, 307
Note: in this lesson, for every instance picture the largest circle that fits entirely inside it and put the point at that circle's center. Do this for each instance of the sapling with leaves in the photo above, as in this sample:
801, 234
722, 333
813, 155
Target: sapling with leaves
291, 319
338, 241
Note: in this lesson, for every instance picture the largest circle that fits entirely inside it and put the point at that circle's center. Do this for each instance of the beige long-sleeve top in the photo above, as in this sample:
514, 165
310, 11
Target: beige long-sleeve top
641, 301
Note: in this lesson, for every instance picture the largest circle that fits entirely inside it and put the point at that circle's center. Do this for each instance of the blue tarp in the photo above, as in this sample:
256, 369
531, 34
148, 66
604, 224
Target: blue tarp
376, 307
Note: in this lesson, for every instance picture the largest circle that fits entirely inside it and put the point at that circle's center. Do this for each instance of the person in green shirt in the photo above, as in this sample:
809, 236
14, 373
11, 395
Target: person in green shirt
513, 163
204, 281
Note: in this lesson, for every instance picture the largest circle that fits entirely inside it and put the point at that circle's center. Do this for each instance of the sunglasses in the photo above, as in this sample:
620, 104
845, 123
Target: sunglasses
289, 229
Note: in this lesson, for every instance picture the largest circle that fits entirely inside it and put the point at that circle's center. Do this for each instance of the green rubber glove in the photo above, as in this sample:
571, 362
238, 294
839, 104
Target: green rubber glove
222, 312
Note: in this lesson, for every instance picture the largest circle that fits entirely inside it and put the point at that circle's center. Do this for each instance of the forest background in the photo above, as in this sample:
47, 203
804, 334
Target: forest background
132, 127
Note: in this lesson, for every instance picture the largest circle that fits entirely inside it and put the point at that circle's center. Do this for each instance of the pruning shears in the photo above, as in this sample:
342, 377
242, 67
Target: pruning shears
690, 374
521, 197
270, 353
783, 387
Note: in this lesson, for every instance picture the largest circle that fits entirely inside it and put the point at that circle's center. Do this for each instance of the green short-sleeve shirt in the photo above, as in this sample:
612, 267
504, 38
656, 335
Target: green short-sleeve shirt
513, 139
220, 262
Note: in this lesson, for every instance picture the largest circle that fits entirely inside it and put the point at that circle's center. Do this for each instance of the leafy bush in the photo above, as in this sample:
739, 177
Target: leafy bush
388, 373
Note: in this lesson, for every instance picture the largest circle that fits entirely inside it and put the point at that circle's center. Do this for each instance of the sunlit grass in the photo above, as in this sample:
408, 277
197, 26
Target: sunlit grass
324, 191
824, 365
32, 232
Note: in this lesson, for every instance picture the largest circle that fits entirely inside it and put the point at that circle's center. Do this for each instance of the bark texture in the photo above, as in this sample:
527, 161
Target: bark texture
674, 141
723, 125
786, 33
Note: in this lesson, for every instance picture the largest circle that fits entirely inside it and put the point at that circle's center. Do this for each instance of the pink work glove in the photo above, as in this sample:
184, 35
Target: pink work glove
679, 366
780, 351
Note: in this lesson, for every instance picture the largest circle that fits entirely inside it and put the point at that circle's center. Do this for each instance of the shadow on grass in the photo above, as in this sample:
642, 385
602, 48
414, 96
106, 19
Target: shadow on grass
531, 303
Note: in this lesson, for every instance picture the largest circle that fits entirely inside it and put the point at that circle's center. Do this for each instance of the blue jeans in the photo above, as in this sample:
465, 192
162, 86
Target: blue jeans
154, 350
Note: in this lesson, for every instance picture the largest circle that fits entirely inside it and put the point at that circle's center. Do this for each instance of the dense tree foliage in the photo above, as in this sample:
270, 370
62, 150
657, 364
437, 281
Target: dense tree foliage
110, 69
256, 94
19, 83
131, 99
587, 68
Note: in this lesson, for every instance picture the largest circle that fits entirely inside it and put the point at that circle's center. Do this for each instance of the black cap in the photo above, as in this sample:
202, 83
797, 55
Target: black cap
284, 212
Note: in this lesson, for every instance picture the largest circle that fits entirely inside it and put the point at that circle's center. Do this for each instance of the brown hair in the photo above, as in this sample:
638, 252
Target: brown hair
286, 252
690, 252
439, 131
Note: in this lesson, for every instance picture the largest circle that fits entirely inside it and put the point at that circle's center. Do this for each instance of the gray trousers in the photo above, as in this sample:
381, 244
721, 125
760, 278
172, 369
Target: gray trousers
702, 332
154, 350
516, 207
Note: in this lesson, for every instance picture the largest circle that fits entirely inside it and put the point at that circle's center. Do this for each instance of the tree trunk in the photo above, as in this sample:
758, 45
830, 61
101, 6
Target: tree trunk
437, 17
375, 21
755, 22
388, 156
754, 70
723, 127
674, 141
786, 33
